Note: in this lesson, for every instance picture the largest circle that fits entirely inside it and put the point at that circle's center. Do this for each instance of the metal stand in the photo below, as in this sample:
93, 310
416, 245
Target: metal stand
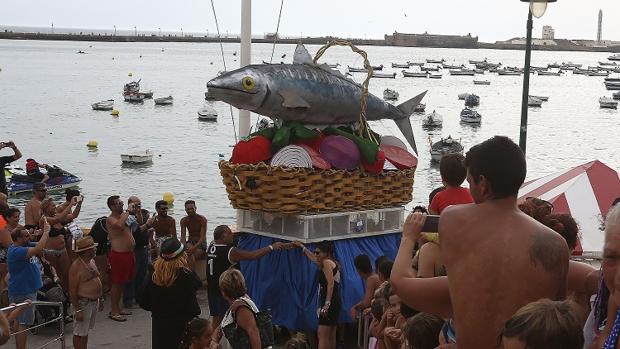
526, 83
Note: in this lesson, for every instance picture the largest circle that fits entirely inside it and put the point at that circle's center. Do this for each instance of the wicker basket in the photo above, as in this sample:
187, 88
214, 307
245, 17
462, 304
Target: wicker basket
299, 190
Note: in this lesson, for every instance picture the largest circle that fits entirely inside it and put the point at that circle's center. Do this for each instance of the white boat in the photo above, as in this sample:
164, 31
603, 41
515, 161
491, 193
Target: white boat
420, 108
148, 94
432, 120
411, 74
443, 147
482, 82
470, 116
400, 65
549, 73
459, 72
609, 103
103, 105
508, 72
384, 75
207, 113
598, 73
137, 157
164, 100
616, 95
435, 61
435, 76
615, 57
463, 96
542, 98
390, 95
534, 102
133, 98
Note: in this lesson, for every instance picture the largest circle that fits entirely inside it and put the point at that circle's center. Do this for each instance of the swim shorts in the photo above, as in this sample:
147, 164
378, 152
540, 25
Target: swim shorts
123, 265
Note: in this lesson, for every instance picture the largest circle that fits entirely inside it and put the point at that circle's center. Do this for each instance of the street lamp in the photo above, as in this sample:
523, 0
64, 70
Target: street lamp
159, 31
537, 9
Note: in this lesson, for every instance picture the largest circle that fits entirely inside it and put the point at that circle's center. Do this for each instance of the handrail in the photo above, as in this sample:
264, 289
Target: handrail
60, 318
363, 323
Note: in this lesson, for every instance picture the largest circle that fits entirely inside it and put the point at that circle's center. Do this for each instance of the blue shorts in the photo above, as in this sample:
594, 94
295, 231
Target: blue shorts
26, 317
217, 305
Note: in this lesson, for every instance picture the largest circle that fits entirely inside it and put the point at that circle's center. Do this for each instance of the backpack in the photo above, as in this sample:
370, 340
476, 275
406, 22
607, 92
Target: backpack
99, 232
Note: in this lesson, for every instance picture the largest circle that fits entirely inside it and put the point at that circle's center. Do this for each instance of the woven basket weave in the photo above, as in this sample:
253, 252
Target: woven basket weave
299, 190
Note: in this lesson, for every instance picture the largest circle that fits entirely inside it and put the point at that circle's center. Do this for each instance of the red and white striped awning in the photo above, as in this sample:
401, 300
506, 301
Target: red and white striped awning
586, 192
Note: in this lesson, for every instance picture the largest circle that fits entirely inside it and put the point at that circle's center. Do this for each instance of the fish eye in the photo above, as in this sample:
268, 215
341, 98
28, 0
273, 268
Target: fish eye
248, 83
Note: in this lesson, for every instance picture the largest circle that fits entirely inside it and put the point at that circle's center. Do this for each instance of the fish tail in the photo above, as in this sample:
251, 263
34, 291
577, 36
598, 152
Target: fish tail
404, 124
409, 106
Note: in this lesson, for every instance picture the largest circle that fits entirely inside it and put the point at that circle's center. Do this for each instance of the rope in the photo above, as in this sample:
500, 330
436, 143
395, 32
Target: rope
363, 128
219, 38
275, 37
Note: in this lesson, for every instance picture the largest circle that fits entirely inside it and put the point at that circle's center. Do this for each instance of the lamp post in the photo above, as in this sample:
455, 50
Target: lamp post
159, 28
182, 32
537, 9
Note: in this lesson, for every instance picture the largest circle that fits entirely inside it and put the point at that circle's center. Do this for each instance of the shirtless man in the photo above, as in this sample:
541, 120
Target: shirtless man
85, 290
164, 225
32, 215
498, 258
194, 233
371, 283
122, 258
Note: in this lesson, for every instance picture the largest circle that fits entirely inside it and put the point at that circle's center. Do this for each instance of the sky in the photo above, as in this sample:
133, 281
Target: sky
490, 20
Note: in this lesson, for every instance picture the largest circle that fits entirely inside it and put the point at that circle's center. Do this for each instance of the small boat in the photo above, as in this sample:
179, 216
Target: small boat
549, 73
445, 146
542, 98
452, 66
479, 71
470, 116
419, 64
466, 72
482, 82
390, 95
132, 87
400, 65
616, 95
572, 65
133, 97
474, 62
356, 70
598, 73
435, 61
612, 85
377, 67
472, 100
534, 102
608, 103
615, 57
424, 68
137, 157
384, 75
432, 120
103, 105
435, 76
333, 66
410, 74
207, 113
58, 181
463, 96
553, 65
612, 79
81, 52
420, 108
148, 94
607, 63
508, 72
163, 100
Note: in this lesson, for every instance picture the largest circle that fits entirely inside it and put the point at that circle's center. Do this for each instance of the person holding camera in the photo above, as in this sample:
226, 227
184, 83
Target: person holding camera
7, 160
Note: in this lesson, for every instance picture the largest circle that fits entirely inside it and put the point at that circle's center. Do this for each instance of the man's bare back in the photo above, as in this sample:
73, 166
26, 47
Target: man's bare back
121, 239
498, 260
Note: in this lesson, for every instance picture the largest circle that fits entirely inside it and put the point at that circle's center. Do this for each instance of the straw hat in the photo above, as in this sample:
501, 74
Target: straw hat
85, 243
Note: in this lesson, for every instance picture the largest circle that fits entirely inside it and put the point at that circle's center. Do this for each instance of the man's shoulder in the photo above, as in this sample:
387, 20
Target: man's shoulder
201, 218
184, 219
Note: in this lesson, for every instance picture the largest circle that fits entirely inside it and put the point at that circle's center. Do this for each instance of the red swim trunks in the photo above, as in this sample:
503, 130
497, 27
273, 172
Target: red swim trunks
123, 265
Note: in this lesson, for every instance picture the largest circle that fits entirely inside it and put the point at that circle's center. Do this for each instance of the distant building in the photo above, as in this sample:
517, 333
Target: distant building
522, 41
599, 32
271, 36
548, 33
430, 40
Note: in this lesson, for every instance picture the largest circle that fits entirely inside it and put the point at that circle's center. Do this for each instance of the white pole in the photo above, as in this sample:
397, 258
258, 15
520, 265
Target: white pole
246, 54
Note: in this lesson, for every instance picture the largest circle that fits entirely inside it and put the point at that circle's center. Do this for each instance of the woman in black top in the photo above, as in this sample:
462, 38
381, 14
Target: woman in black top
329, 291
170, 295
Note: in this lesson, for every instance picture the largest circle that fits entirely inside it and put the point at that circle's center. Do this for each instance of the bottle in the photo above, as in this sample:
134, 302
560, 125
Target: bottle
76, 233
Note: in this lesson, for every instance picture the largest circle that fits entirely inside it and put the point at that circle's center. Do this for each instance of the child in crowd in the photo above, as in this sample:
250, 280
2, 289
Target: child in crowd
422, 331
394, 322
197, 334
296, 343
453, 173
377, 309
544, 324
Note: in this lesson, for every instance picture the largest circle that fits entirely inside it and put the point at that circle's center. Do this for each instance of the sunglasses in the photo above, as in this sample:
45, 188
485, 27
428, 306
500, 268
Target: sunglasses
317, 252
163, 208
540, 202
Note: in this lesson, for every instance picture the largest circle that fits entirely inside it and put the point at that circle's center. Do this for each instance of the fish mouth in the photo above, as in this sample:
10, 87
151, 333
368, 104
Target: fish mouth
214, 87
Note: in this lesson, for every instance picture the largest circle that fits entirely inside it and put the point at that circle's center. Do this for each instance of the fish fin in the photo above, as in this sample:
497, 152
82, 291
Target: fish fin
302, 56
333, 71
405, 127
291, 100
408, 107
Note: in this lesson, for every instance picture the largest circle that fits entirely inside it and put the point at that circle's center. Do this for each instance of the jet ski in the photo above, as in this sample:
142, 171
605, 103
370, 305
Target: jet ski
59, 180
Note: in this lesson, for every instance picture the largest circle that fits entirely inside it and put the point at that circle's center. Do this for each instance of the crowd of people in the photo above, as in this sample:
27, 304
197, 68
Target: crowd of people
491, 273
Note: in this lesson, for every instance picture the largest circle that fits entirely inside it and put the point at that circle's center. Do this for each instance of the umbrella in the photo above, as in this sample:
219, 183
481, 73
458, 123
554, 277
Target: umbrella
586, 192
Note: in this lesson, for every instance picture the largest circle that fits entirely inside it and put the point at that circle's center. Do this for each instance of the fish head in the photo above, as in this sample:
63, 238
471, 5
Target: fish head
245, 88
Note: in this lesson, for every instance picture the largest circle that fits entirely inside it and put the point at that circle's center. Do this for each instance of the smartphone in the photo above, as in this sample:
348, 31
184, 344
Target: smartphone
431, 225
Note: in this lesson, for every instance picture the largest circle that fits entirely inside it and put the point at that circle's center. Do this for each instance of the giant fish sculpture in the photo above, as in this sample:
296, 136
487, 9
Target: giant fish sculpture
308, 93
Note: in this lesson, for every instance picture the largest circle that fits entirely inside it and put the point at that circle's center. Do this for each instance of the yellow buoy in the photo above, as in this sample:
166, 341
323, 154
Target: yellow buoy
115, 112
92, 144
169, 198
130, 74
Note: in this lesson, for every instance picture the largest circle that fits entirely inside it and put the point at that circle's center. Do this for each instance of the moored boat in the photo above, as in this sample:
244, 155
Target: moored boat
463, 96
470, 116
534, 102
103, 105
608, 103
384, 75
390, 95
616, 95
432, 120
542, 98
615, 57
466, 72
207, 113
133, 97
410, 74
137, 157
482, 82
400, 65
148, 94
163, 100
435, 76
445, 146
420, 108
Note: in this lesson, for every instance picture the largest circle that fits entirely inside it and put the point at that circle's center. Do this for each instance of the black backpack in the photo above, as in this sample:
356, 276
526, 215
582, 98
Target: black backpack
99, 232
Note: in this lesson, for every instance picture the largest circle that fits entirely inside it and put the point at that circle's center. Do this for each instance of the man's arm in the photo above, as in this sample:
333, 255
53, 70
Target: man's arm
237, 254
76, 211
173, 228
203, 232
32, 251
17, 154
118, 223
4, 328
183, 230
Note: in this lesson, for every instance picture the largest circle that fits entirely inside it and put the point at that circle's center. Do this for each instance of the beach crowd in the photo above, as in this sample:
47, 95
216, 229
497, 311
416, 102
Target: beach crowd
490, 272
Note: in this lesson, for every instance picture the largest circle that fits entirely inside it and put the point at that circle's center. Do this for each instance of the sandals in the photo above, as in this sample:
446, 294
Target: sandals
125, 312
119, 317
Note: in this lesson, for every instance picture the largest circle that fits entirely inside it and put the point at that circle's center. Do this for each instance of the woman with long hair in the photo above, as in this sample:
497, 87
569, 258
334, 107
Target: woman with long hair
170, 295
242, 311
329, 291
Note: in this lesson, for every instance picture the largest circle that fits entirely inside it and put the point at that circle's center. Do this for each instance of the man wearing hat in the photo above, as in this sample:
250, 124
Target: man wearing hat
85, 290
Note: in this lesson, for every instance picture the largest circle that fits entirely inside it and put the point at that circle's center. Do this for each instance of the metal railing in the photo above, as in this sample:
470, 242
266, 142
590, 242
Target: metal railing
60, 318
363, 324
